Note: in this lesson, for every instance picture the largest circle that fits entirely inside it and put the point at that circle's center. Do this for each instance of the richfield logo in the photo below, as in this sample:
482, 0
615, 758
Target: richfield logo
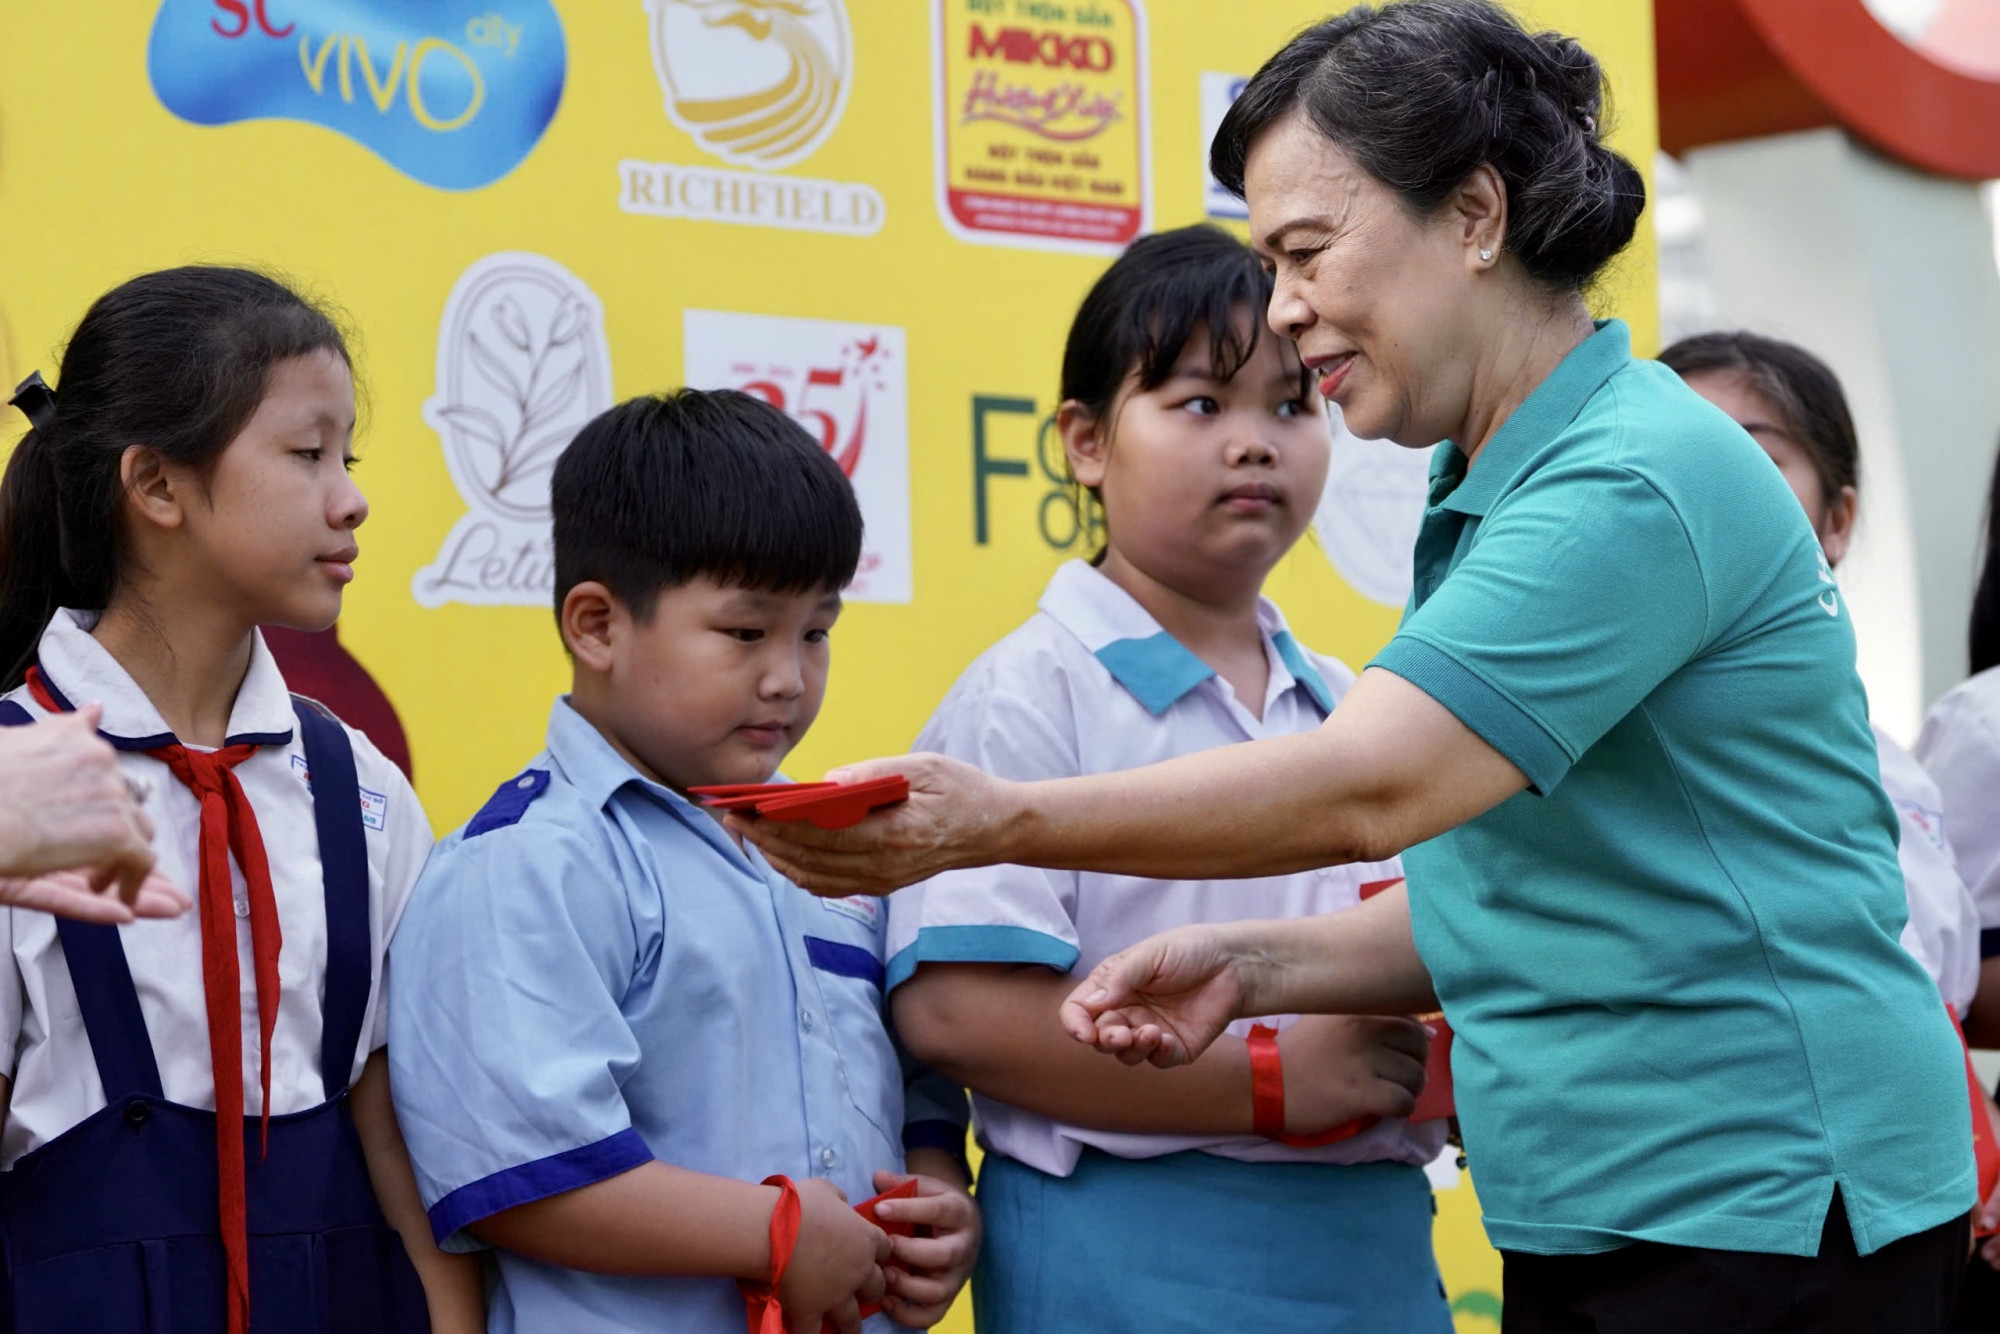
760, 84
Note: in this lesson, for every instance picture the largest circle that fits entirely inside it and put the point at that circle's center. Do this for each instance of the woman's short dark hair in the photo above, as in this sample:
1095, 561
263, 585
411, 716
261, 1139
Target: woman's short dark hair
1421, 93
1805, 392
177, 361
663, 489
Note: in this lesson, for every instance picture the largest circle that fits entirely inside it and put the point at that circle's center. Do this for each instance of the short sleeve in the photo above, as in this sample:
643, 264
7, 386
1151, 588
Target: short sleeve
1960, 747
991, 914
1580, 595
508, 1050
409, 841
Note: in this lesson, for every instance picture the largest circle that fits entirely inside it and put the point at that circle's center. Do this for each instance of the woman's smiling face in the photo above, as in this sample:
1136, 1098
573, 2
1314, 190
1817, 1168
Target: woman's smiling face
1377, 298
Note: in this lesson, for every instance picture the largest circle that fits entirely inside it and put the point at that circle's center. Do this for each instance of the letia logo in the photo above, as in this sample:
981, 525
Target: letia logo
451, 92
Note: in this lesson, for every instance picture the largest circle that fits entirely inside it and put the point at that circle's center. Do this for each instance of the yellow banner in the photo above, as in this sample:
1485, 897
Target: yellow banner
877, 214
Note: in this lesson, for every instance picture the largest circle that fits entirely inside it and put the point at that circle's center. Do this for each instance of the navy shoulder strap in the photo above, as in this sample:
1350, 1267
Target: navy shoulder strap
105, 996
343, 855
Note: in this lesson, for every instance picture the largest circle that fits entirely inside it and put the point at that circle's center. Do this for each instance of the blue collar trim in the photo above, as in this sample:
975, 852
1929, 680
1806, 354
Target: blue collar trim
1158, 669
146, 743
1300, 666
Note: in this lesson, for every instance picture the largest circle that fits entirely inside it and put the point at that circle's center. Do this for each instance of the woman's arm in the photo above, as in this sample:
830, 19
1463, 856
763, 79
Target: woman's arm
1389, 768
1167, 998
996, 1029
453, 1288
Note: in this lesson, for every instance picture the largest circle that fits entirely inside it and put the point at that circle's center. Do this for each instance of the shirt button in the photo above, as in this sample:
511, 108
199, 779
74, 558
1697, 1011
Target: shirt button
242, 907
526, 781
806, 1020
827, 1157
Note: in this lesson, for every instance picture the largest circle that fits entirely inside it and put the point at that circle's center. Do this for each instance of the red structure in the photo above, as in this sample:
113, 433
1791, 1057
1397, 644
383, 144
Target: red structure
1739, 69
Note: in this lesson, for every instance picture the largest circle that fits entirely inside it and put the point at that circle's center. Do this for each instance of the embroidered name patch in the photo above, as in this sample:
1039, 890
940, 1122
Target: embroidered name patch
374, 809
859, 907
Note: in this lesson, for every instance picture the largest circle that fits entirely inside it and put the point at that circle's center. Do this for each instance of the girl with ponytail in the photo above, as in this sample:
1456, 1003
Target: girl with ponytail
198, 1132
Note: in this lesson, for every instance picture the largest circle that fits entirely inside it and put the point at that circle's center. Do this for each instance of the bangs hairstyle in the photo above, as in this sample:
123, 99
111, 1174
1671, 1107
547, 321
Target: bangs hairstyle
1138, 317
663, 489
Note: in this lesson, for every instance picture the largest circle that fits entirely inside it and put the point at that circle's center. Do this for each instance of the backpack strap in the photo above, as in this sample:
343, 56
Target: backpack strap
343, 855
105, 996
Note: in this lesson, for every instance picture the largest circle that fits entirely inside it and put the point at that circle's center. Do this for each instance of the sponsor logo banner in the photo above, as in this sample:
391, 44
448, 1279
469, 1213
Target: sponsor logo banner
848, 385
521, 365
759, 84
1042, 136
453, 93
1218, 93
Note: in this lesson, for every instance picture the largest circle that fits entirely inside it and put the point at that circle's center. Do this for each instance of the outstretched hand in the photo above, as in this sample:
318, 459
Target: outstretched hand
955, 817
71, 894
1163, 1000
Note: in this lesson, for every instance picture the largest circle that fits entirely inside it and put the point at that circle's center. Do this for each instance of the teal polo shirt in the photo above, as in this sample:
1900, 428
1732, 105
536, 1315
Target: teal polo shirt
1672, 964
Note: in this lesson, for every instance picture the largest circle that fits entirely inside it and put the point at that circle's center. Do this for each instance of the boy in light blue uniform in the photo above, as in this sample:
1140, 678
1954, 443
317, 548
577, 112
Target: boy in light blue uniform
613, 1019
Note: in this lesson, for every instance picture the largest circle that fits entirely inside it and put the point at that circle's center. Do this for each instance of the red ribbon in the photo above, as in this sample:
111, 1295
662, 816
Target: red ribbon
228, 826
760, 1300
1267, 1097
1985, 1152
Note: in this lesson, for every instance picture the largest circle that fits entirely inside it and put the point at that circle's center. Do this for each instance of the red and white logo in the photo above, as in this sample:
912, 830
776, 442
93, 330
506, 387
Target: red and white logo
848, 385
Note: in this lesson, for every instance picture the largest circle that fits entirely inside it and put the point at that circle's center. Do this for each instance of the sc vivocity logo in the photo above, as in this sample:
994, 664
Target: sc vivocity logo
761, 85
453, 93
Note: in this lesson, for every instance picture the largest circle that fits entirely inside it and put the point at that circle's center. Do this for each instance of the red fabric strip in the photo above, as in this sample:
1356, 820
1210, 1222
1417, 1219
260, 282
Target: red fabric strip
1267, 1097
1985, 1152
766, 1315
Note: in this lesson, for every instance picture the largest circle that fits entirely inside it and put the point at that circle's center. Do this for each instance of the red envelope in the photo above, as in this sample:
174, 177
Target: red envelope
1435, 1101
838, 806
894, 1228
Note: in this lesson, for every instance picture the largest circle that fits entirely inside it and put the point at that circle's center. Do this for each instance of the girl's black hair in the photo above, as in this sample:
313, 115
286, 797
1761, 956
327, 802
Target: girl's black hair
1812, 409
1984, 633
176, 361
1421, 93
1140, 313
1137, 318
660, 490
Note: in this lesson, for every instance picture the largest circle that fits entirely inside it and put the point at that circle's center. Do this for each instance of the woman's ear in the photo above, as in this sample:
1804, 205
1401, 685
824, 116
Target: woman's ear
1084, 443
592, 621
1836, 527
1479, 215
156, 492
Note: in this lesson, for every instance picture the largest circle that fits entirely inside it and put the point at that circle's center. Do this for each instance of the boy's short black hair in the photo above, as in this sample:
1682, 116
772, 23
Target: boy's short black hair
666, 488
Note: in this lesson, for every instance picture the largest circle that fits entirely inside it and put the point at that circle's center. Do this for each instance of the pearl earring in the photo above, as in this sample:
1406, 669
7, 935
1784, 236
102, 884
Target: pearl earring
1485, 253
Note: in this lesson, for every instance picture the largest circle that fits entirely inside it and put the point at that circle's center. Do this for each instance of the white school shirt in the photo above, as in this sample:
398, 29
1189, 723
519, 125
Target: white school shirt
1943, 930
1092, 684
1960, 747
44, 1049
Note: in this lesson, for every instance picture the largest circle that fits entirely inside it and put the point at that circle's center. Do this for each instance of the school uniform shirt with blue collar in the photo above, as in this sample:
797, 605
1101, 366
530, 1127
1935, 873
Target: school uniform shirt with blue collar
44, 1049
596, 976
1960, 748
1092, 684
1943, 930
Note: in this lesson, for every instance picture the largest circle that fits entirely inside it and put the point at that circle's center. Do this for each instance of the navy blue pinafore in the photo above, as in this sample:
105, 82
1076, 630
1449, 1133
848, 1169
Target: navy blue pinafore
113, 1225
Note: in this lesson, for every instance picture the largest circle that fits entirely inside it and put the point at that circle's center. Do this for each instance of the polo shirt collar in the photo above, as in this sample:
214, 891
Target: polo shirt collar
1154, 667
1552, 406
77, 670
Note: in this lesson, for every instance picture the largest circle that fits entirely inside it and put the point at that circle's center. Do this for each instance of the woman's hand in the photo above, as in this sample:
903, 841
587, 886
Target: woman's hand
1339, 1067
956, 816
836, 1265
71, 894
1163, 1000
65, 806
926, 1273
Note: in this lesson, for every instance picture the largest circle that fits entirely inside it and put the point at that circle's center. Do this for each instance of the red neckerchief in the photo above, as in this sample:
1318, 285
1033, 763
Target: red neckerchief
228, 826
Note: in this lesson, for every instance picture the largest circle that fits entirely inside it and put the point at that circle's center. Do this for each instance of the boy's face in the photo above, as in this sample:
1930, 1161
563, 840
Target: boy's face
716, 686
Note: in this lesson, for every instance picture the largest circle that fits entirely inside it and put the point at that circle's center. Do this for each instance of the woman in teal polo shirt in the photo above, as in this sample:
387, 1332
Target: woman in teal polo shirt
1619, 739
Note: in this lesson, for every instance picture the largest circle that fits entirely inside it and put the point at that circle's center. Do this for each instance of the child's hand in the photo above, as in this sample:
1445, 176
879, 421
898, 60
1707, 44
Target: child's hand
837, 1264
926, 1272
1339, 1067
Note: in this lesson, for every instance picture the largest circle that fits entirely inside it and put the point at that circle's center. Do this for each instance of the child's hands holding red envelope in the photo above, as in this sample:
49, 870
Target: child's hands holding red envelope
934, 1232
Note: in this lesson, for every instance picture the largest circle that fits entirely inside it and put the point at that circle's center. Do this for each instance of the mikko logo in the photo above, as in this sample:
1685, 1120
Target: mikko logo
758, 83
451, 92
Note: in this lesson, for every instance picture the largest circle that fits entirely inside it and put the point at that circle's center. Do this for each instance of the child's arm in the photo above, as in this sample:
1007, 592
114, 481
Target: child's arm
926, 1272
453, 1288
994, 1028
658, 1220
